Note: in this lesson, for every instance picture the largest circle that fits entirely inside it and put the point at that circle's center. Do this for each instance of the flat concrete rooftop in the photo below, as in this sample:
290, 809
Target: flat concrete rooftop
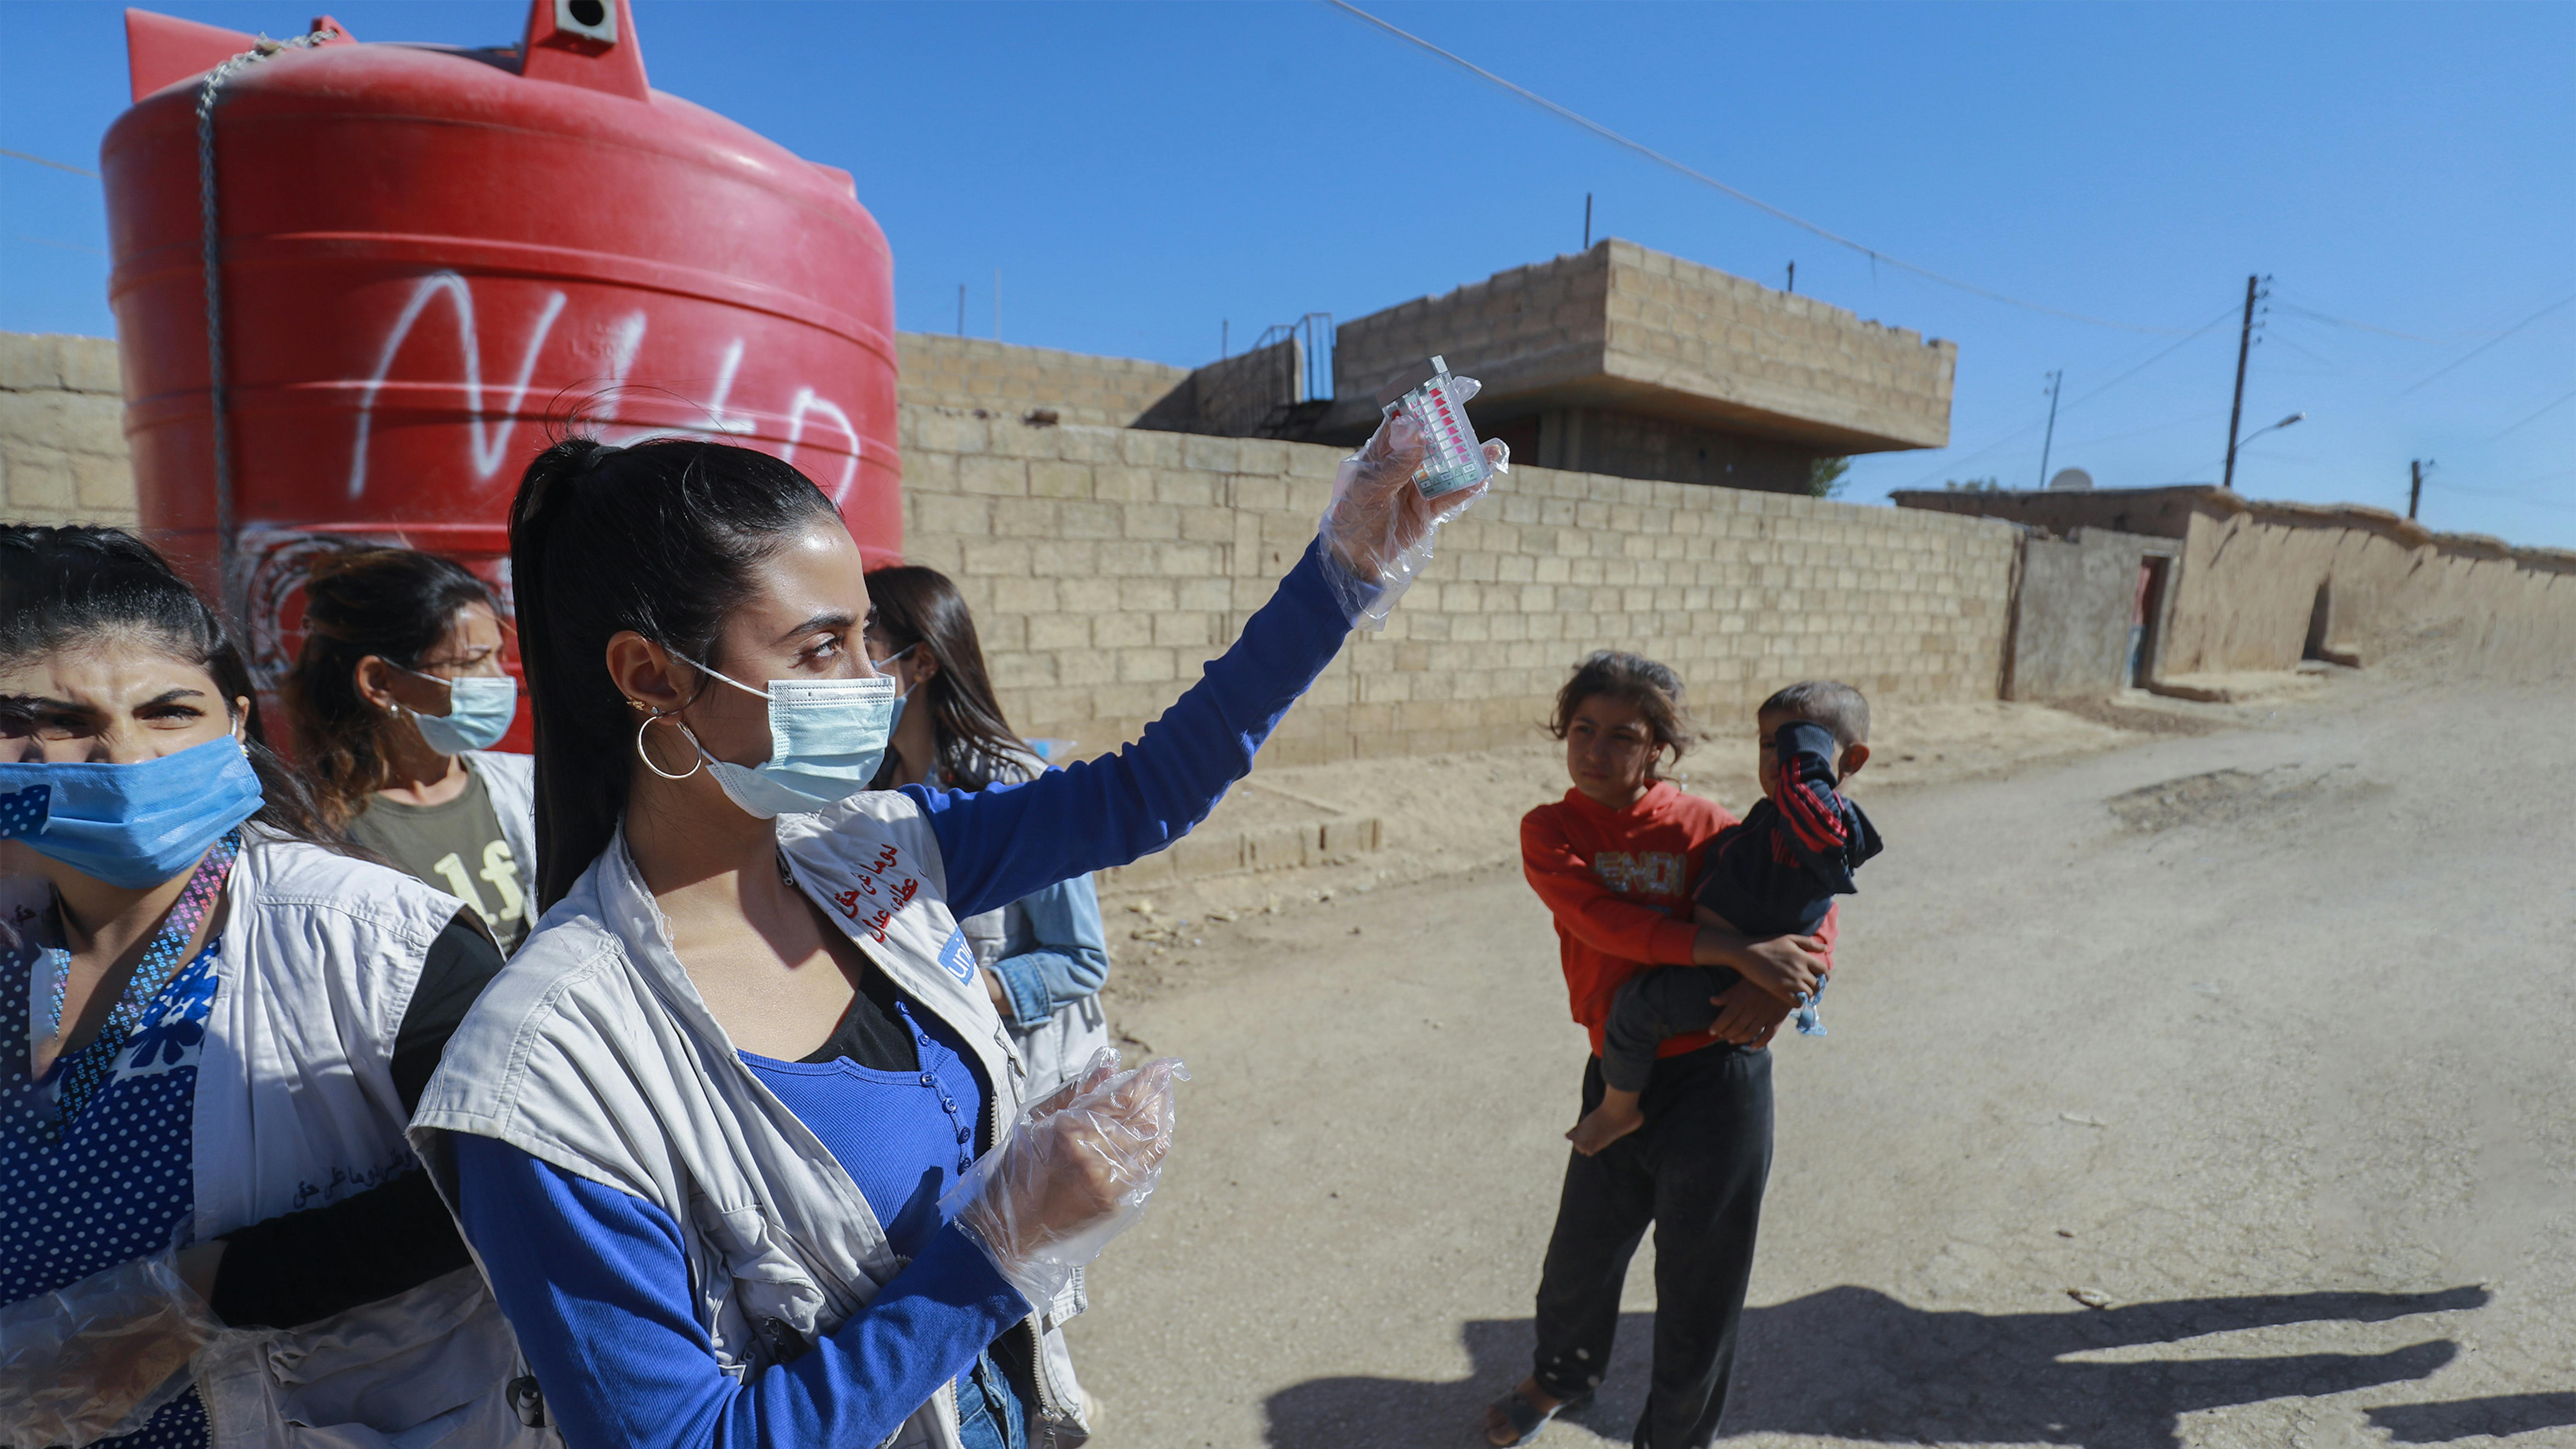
1626, 329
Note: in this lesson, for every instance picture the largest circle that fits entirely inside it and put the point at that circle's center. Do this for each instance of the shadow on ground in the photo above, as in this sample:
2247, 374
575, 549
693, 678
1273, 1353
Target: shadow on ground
1853, 1363
2502, 1416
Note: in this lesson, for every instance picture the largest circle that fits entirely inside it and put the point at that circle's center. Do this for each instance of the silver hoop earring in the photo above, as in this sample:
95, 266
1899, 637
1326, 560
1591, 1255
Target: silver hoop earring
640, 753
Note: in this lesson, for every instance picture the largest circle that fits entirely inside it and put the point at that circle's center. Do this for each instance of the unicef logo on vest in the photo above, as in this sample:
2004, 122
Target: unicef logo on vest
958, 957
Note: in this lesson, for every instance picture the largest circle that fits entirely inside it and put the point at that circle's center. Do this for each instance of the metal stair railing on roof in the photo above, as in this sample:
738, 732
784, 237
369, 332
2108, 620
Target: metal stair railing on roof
1303, 386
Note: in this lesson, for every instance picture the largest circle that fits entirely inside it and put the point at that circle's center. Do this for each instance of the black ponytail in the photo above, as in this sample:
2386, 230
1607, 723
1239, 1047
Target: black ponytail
64, 587
659, 538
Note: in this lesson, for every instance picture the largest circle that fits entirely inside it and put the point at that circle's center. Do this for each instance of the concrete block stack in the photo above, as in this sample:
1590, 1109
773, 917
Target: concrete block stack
62, 433
1698, 331
1636, 363
1007, 380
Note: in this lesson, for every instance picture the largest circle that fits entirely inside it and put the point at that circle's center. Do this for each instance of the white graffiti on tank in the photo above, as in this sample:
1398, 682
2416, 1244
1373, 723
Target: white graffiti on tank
807, 402
489, 440
491, 448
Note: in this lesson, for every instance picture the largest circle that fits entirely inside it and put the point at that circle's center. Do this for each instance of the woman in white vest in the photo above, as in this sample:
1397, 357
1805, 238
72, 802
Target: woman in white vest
1044, 957
396, 700
226, 1023
738, 1136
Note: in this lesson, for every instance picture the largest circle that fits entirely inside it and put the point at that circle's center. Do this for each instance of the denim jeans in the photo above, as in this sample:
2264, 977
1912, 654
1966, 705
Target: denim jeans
989, 1412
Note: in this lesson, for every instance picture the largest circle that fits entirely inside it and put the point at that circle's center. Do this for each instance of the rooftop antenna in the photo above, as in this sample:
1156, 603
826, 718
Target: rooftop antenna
1587, 221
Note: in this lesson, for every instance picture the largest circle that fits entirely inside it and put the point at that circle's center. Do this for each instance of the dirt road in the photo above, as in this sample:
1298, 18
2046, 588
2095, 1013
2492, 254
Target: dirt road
2214, 1091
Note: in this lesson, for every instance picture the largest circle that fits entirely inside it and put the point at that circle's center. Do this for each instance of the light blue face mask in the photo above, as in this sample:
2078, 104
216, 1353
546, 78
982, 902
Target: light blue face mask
902, 697
480, 709
826, 739
131, 825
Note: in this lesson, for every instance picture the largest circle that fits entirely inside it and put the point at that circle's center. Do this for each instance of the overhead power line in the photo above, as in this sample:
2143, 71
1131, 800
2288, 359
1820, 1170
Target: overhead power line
1950, 464
2313, 313
41, 161
2490, 342
1702, 177
2514, 495
2559, 402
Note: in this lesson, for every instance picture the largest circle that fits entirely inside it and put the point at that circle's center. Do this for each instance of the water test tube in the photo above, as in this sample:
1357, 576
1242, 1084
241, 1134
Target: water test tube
1454, 458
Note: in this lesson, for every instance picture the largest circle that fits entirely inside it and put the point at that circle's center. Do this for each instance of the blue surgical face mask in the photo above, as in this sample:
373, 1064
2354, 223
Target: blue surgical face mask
902, 696
480, 708
826, 739
136, 824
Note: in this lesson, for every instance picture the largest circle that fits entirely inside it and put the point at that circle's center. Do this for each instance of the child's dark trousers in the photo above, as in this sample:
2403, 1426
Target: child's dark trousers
1659, 1002
1696, 1172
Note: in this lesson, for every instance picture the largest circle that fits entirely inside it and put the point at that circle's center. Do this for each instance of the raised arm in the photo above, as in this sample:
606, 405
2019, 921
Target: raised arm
1013, 840
1001, 844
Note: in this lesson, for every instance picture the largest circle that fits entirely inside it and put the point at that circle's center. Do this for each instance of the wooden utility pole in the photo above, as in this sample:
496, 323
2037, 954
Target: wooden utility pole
1587, 221
2236, 413
2056, 380
2415, 489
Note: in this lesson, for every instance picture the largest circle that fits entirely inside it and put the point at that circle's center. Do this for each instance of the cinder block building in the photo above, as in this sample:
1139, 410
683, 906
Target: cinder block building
1619, 360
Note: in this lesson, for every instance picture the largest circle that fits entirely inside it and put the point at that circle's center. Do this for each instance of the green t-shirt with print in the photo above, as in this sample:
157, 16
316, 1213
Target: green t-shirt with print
457, 847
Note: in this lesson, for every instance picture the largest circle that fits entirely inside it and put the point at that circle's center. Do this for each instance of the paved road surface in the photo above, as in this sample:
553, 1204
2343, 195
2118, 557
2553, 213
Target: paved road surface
2260, 1039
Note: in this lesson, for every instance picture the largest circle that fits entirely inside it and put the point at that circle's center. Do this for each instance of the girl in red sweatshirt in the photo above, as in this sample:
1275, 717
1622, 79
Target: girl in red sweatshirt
1615, 861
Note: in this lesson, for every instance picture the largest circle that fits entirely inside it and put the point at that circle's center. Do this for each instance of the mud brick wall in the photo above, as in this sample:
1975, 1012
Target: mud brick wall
1106, 566
62, 432
2256, 576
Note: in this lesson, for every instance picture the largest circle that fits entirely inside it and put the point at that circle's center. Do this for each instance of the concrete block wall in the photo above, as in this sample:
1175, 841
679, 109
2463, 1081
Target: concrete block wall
1106, 566
62, 431
970, 373
1524, 328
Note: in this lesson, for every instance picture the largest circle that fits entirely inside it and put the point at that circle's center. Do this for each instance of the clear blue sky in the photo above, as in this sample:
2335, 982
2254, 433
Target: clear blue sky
1138, 174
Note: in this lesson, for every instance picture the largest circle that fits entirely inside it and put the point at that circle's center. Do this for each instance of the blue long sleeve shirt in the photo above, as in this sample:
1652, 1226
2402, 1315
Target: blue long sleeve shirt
596, 1282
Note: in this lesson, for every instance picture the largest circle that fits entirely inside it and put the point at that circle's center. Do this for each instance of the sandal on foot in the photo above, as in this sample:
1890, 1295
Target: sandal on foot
1525, 1418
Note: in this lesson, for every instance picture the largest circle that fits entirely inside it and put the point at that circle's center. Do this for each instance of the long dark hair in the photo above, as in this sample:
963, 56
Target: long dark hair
63, 587
1633, 679
659, 538
920, 609
394, 603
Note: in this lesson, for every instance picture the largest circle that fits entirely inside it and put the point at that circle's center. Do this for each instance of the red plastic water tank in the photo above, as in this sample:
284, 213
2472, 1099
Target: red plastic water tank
428, 257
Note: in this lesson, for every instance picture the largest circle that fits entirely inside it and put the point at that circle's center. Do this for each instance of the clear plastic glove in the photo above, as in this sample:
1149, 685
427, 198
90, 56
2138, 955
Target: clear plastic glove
1379, 527
99, 1357
1073, 1173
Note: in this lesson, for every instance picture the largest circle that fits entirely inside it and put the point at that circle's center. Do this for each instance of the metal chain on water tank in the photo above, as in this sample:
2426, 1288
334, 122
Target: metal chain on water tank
226, 526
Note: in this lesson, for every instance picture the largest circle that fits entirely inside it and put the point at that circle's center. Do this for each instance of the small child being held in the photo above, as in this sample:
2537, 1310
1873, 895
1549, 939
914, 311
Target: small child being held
1776, 874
